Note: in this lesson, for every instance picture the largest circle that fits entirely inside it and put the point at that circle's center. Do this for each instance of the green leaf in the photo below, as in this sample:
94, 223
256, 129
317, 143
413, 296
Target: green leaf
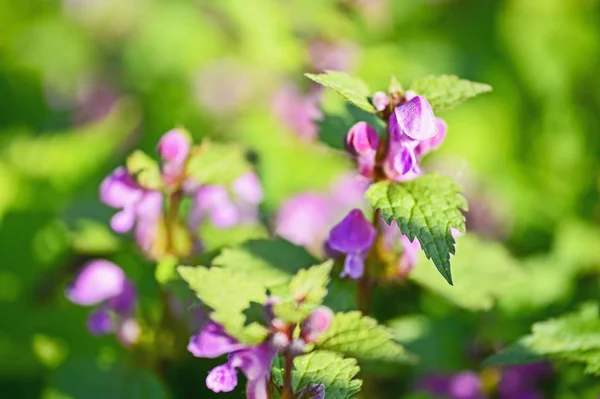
349, 87
355, 335
484, 272
447, 91
425, 208
574, 337
217, 163
272, 261
85, 378
322, 367
306, 291
145, 170
228, 294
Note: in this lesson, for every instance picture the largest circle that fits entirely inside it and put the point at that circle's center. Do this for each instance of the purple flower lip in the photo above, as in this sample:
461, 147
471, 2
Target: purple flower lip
415, 119
98, 281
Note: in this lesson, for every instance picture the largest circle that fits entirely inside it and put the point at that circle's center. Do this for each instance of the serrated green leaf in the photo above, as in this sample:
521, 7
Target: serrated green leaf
322, 367
355, 335
217, 163
228, 294
574, 337
447, 91
349, 87
272, 261
484, 272
425, 208
306, 291
144, 170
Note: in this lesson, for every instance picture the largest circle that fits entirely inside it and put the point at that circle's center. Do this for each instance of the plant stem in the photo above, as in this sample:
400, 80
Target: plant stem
172, 217
288, 390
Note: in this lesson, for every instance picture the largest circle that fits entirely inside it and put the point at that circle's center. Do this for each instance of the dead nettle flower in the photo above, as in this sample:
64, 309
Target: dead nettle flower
104, 284
225, 207
298, 111
254, 361
353, 237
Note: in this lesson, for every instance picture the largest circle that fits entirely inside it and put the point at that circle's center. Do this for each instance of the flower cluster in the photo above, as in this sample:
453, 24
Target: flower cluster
516, 382
142, 207
104, 284
413, 131
255, 361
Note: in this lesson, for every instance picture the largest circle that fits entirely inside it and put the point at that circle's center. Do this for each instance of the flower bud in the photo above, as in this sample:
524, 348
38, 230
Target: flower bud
362, 140
296, 348
380, 101
317, 323
174, 146
280, 341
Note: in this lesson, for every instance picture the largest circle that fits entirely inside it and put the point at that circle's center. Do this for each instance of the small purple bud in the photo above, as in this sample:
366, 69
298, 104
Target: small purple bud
247, 187
380, 101
465, 385
280, 341
415, 118
128, 332
296, 347
222, 379
316, 323
100, 322
314, 391
174, 146
362, 140
98, 281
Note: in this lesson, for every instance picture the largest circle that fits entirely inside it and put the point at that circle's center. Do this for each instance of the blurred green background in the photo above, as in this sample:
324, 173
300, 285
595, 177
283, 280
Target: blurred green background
83, 82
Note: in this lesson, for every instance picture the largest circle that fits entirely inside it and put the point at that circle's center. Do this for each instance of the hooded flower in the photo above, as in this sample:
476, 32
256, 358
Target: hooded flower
225, 209
362, 142
103, 283
414, 118
353, 236
138, 206
254, 361
174, 148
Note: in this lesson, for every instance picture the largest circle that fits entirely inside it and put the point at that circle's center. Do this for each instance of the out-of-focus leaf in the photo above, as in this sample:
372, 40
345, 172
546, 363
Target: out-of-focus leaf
144, 170
574, 337
217, 163
483, 272
349, 87
425, 208
447, 91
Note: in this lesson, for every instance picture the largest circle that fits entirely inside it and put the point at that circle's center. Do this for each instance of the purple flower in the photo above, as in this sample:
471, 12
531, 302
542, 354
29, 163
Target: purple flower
225, 210
380, 101
362, 142
520, 381
353, 236
174, 148
103, 283
305, 219
413, 118
316, 324
136, 204
254, 361
298, 111
463, 385
434, 142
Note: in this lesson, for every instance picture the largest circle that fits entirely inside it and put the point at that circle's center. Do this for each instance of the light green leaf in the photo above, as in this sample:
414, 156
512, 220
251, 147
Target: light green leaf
446, 91
217, 163
272, 261
306, 291
349, 87
145, 170
484, 272
425, 208
322, 367
228, 294
574, 337
355, 335
214, 238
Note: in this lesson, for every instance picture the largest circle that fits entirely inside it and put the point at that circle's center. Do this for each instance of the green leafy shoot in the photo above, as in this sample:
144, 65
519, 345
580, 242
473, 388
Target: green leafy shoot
217, 163
144, 170
425, 208
349, 87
